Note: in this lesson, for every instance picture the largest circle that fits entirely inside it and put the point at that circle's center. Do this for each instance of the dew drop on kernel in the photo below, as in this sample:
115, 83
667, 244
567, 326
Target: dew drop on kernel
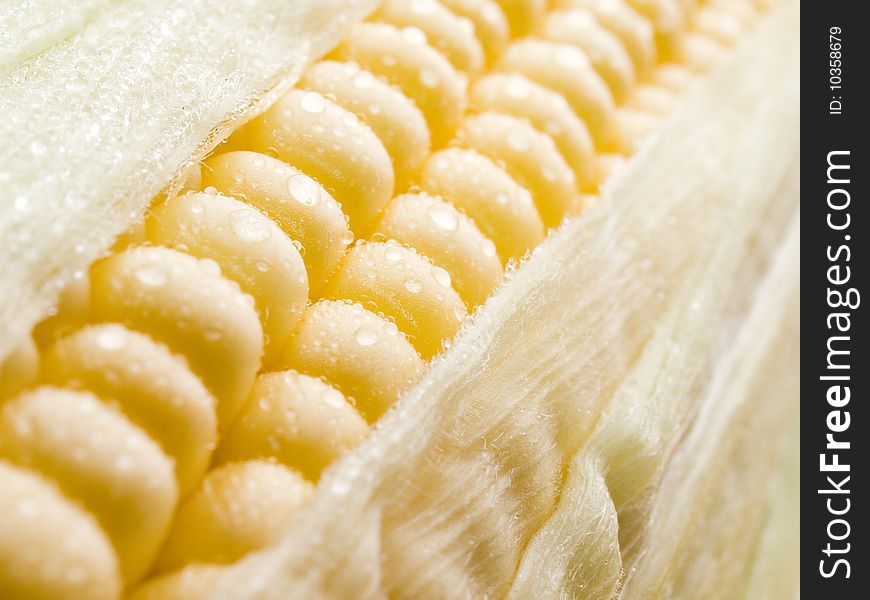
444, 218
304, 189
414, 35
27, 508
364, 80
393, 254
249, 225
209, 267
347, 237
415, 286
365, 336
111, 339
429, 77
518, 140
151, 276
312, 102
488, 248
516, 89
441, 276
123, 463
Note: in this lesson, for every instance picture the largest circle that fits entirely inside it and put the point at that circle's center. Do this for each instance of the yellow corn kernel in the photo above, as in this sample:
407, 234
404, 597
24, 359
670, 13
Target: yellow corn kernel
669, 18
193, 582
49, 547
523, 15
249, 248
298, 204
330, 144
19, 369
393, 117
404, 286
186, 304
502, 209
300, 421
634, 32
436, 229
360, 353
151, 386
448, 33
566, 70
529, 155
98, 458
674, 77
632, 126
699, 52
490, 24
605, 53
654, 99
402, 57
548, 112
725, 24
71, 311
610, 163
240, 507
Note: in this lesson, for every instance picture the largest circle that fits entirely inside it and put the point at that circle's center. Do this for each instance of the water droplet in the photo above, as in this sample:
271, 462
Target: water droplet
312, 102
423, 7
518, 140
516, 88
569, 56
414, 35
488, 248
394, 253
123, 463
209, 267
444, 217
211, 190
350, 120
441, 276
364, 80
391, 328
304, 189
333, 398
429, 77
27, 508
213, 335
151, 275
111, 338
347, 237
365, 336
415, 286
250, 225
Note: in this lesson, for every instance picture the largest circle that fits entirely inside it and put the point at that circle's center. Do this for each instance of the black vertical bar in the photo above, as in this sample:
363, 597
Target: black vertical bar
834, 372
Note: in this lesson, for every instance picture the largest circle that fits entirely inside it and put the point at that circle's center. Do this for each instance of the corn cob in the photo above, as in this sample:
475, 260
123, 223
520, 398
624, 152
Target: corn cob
379, 307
